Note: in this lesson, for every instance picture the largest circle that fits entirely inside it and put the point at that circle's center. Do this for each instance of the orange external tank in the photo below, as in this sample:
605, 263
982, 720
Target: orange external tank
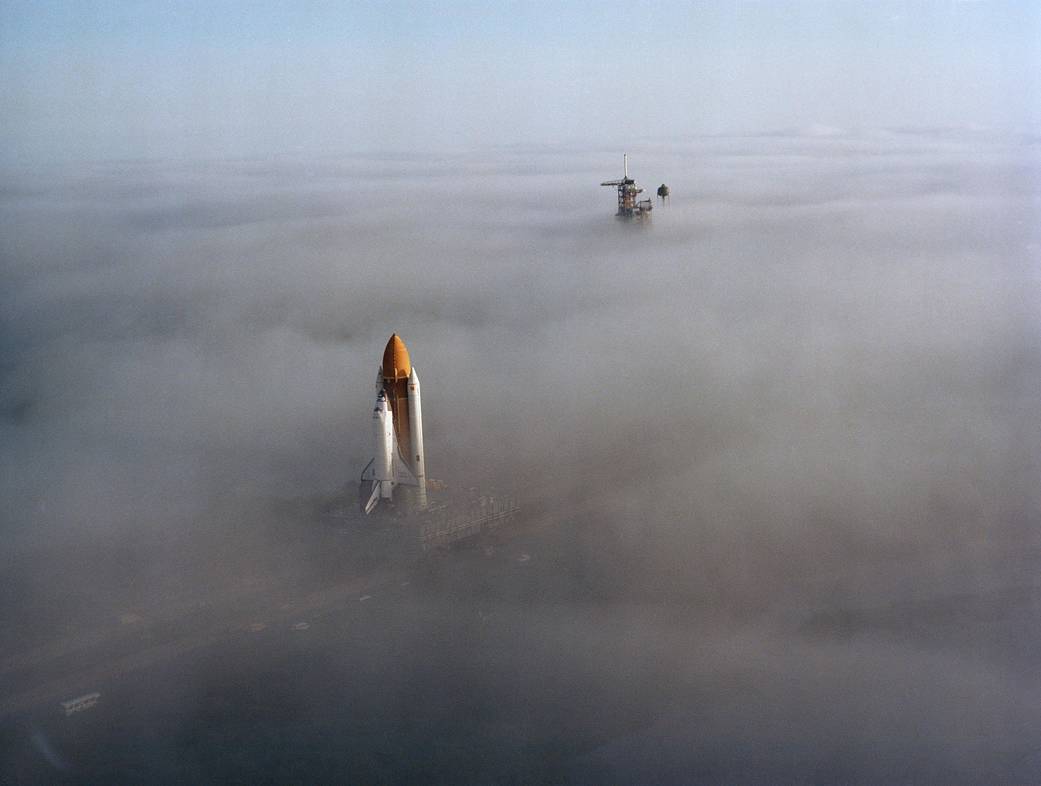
396, 370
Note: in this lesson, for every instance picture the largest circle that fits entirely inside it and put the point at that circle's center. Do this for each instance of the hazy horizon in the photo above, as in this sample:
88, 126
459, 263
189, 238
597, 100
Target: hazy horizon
102, 80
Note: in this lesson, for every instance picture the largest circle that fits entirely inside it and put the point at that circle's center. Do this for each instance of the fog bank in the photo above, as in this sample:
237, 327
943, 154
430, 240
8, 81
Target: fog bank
810, 383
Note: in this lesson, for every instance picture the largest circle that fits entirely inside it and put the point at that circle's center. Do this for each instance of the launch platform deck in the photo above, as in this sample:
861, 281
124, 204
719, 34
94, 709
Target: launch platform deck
440, 526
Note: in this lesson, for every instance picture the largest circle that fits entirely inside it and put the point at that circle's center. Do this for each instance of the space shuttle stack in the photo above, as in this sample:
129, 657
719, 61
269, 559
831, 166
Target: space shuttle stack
399, 458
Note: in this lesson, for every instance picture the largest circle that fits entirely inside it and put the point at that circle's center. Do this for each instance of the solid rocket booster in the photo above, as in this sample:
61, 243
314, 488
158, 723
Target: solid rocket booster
415, 416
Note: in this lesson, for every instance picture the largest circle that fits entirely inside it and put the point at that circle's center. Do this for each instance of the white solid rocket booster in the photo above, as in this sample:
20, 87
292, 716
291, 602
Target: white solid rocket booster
415, 417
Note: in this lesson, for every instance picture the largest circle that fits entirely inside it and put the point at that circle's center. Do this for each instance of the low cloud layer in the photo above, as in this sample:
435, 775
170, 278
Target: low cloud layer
811, 382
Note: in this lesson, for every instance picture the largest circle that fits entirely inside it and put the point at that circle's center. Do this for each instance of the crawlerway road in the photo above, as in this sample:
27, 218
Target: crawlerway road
76, 666
70, 666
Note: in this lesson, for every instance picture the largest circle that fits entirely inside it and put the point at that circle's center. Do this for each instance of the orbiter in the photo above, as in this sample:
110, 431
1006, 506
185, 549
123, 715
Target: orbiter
397, 423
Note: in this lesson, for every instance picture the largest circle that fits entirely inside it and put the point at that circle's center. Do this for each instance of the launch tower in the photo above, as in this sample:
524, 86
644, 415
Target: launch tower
629, 204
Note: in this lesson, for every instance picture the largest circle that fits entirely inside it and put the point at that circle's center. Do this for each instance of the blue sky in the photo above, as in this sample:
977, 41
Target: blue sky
101, 79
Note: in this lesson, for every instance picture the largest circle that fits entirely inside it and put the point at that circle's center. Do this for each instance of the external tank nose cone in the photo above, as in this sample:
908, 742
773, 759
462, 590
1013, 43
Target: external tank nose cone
396, 363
